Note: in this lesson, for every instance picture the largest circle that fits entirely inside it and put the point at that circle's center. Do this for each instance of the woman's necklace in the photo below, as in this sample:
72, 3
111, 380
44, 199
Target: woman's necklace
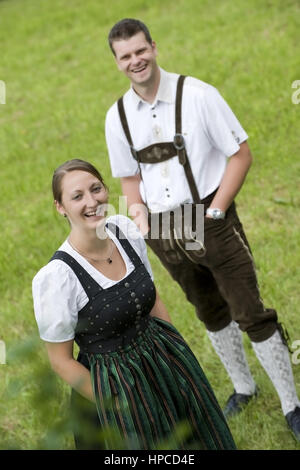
108, 258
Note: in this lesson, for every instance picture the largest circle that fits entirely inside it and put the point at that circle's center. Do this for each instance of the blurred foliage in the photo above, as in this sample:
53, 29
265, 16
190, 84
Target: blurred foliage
44, 391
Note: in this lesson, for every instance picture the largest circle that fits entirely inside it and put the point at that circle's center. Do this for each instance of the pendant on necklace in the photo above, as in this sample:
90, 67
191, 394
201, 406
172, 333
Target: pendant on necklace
109, 260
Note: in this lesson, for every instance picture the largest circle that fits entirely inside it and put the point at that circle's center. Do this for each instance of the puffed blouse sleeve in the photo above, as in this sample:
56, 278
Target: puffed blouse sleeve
55, 299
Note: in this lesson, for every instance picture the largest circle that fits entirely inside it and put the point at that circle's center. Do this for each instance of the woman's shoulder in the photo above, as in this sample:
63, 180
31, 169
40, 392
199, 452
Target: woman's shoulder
55, 270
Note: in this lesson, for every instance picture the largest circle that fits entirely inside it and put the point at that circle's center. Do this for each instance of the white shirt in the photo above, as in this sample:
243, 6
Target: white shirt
210, 129
57, 293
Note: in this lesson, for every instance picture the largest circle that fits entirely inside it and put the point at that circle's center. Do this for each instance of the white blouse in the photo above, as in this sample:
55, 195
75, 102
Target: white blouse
57, 293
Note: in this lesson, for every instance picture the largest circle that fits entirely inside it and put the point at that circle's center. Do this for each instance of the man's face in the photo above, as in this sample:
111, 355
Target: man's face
136, 58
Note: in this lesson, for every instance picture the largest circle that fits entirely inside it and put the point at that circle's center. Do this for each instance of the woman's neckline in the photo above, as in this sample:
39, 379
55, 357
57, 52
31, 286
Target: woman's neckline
121, 251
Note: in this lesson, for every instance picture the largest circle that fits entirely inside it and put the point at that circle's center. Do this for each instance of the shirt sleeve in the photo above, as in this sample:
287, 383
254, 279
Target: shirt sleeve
224, 130
121, 160
55, 298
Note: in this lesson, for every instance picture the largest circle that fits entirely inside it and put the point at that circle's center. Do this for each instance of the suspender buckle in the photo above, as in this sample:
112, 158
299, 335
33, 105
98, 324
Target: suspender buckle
178, 141
179, 144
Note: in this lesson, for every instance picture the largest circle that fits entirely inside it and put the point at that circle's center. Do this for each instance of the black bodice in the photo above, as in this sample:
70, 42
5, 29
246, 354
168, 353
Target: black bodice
115, 316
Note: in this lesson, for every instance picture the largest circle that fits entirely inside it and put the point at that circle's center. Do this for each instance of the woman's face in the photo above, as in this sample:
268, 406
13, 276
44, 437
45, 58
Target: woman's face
82, 197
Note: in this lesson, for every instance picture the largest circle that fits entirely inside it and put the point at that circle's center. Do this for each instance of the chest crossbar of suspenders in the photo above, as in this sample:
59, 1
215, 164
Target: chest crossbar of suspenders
162, 151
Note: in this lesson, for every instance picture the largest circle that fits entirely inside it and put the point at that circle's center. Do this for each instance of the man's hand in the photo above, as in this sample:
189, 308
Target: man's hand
233, 178
136, 207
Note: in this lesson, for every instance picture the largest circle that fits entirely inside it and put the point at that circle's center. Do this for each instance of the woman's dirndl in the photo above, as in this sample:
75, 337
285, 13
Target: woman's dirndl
150, 390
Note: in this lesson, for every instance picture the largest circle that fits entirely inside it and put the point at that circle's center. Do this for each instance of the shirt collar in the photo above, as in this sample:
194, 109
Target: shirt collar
164, 92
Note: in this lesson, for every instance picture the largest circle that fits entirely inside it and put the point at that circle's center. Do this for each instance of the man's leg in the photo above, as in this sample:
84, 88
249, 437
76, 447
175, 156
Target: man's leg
273, 355
234, 271
228, 344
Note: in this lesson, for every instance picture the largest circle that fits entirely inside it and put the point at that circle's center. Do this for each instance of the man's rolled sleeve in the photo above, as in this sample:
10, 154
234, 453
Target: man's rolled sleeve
224, 129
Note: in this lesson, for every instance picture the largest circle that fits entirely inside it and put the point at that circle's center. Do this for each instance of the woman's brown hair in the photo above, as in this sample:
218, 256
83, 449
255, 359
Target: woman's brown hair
71, 165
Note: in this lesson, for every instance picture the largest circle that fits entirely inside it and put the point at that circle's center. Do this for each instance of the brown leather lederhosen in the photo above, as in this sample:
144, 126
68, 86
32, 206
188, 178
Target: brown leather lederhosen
221, 282
174, 246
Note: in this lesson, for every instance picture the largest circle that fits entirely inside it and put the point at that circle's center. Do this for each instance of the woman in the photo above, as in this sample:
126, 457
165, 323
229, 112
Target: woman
136, 383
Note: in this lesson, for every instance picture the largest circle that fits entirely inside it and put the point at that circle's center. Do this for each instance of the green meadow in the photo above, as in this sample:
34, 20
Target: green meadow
60, 79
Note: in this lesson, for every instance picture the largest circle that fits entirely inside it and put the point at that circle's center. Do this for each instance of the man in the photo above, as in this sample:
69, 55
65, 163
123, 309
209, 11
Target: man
206, 162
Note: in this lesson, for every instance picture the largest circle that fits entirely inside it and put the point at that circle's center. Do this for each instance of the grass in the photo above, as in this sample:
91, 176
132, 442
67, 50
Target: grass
60, 80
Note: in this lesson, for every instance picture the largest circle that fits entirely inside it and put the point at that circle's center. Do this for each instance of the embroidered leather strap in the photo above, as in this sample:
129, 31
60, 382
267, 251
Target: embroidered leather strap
160, 152
180, 144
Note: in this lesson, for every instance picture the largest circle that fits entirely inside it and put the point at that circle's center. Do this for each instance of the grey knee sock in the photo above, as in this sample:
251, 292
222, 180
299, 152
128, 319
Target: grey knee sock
274, 357
228, 345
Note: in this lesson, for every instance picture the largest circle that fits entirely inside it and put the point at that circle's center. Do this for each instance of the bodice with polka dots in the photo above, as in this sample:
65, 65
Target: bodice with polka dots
115, 316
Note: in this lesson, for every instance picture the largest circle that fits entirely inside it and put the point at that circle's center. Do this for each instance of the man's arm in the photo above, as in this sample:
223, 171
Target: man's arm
136, 207
234, 176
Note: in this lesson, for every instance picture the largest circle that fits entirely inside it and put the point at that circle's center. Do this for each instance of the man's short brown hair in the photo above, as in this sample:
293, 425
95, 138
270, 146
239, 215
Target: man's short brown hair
125, 29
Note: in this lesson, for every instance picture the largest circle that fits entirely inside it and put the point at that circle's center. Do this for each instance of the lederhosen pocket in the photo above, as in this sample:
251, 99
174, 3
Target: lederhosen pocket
177, 245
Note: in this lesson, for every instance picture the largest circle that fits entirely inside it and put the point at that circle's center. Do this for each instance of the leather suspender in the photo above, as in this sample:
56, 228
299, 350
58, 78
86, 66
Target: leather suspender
125, 126
163, 151
180, 144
